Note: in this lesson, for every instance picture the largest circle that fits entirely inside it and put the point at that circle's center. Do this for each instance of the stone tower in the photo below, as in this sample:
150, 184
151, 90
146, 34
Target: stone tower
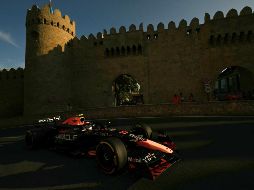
47, 32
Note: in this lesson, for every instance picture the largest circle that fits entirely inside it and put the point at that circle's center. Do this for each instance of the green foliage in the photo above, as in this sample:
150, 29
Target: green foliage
125, 86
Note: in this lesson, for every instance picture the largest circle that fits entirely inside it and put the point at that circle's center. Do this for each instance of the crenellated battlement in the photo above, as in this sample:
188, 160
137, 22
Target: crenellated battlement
242, 32
37, 16
193, 27
133, 29
11, 74
43, 15
115, 48
138, 35
150, 33
232, 13
58, 50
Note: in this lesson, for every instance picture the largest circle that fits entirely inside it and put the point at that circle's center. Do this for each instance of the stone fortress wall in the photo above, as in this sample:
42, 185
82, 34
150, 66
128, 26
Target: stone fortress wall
62, 69
46, 75
163, 60
12, 92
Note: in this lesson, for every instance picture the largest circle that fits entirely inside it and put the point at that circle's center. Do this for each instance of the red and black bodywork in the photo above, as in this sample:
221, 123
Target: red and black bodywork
138, 149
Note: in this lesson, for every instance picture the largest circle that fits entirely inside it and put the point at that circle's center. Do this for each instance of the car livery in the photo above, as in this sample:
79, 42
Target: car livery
139, 149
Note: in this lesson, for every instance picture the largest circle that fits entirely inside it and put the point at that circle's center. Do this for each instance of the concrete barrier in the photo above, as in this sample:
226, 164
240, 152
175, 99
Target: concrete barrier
230, 108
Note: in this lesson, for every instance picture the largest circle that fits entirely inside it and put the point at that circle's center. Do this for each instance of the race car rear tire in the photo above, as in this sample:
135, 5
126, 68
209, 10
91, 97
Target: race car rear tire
143, 129
111, 155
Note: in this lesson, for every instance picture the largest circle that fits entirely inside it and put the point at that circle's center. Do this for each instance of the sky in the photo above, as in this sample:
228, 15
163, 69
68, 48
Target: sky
92, 16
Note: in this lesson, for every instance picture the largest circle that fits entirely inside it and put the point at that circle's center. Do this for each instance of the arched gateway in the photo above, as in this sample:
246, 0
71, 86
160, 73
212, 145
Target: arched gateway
126, 91
234, 82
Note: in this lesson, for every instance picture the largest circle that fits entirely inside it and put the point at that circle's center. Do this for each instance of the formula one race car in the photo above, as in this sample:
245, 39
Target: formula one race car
137, 149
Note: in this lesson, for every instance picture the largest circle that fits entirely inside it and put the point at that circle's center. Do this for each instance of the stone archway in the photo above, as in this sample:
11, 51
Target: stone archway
234, 83
126, 91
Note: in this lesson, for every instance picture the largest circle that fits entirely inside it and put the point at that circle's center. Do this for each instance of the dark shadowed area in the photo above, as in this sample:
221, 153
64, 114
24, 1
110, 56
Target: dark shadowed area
216, 154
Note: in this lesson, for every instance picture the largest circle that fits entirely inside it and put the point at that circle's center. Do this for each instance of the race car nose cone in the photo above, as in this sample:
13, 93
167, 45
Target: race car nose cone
154, 146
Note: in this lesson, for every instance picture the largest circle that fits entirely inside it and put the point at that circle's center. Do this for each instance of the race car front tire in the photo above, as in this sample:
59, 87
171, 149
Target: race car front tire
143, 129
111, 155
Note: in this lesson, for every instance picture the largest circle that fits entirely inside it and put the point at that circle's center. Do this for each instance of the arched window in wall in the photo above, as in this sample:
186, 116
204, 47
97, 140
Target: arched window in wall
112, 52
122, 51
233, 37
241, 37
226, 38
107, 52
218, 41
139, 49
35, 36
211, 40
188, 32
134, 50
128, 50
117, 51
249, 36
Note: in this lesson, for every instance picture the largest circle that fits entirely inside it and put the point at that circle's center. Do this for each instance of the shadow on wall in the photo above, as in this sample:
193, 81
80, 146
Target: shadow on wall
12, 92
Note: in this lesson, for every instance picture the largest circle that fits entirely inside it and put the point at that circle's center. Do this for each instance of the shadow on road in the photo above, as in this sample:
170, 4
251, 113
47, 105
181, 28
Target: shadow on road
214, 157
22, 168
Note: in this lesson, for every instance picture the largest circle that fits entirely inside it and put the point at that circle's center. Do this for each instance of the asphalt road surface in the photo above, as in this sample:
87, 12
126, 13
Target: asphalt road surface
216, 154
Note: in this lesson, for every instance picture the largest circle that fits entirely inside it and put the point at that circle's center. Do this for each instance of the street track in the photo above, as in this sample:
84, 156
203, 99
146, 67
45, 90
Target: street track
215, 155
